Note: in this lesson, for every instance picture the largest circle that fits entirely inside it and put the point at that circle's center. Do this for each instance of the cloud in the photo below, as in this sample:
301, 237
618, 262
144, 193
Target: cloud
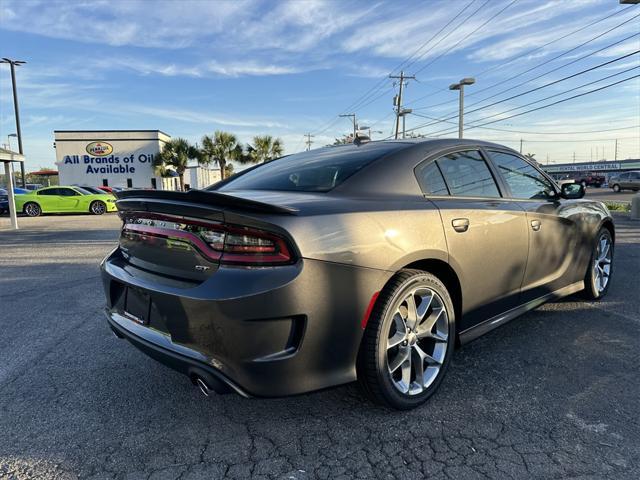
164, 24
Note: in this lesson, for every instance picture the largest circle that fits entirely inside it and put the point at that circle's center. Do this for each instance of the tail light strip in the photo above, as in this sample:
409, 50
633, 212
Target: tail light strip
228, 243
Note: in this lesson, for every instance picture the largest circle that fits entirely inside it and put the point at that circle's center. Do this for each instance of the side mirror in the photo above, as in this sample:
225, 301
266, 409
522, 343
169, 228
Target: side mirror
571, 190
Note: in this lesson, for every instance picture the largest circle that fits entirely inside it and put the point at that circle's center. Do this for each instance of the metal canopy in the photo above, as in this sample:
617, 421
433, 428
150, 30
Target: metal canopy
6, 157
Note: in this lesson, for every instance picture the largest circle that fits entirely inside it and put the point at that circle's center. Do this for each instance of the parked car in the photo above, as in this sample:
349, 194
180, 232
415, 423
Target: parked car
366, 261
106, 189
625, 181
64, 199
586, 179
4, 198
33, 186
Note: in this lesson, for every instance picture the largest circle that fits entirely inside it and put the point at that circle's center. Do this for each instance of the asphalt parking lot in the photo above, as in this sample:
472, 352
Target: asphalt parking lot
607, 195
552, 394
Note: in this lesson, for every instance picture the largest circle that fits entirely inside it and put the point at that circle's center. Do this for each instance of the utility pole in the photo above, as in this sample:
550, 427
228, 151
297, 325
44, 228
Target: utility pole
521, 145
308, 141
574, 157
615, 156
460, 86
400, 112
13, 64
355, 125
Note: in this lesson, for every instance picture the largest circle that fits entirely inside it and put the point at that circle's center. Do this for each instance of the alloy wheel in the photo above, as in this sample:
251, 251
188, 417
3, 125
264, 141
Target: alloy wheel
32, 210
602, 262
417, 340
98, 208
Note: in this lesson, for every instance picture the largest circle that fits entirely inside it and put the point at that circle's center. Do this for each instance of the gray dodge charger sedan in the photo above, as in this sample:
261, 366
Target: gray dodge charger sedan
366, 262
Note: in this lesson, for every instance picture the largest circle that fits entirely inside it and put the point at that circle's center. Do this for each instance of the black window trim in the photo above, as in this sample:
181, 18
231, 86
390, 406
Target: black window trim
487, 152
458, 149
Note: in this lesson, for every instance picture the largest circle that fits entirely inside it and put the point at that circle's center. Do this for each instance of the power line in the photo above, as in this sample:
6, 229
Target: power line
468, 35
528, 132
513, 77
544, 106
454, 114
404, 64
381, 82
529, 52
553, 96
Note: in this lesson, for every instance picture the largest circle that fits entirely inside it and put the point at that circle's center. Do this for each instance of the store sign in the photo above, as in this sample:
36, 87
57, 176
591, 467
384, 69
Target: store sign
99, 149
592, 167
109, 164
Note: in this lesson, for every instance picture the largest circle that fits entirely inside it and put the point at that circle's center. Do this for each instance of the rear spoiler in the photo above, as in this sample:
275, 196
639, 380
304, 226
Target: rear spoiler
201, 197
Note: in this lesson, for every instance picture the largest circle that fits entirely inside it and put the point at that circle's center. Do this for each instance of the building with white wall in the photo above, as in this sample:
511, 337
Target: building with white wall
120, 158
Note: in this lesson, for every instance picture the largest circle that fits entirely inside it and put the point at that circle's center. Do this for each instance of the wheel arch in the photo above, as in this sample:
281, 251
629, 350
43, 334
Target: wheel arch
608, 224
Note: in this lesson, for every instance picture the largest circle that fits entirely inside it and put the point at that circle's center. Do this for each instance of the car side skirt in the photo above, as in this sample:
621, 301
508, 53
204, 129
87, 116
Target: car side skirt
494, 322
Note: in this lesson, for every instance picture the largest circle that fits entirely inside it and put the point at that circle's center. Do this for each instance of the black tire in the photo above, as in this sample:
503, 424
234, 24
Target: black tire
98, 207
32, 209
372, 365
592, 291
616, 188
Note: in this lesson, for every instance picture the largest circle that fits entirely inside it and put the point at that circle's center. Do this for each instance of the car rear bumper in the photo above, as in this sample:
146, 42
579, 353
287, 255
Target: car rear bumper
268, 331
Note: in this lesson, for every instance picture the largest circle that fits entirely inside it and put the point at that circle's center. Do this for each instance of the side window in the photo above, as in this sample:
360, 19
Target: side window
467, 174
431, 180
523, 179
67, 192
49, 191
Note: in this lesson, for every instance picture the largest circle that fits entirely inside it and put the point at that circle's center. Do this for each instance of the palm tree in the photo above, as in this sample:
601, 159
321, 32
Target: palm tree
175, 155
222, 148
264, 148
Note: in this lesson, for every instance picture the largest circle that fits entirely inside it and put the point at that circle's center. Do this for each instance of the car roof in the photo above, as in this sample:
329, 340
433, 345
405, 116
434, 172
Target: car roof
392, 174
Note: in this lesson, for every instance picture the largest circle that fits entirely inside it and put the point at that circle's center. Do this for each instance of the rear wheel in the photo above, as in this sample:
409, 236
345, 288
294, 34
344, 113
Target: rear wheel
616, 188
98, 207
408, 341
32, 209
598, 277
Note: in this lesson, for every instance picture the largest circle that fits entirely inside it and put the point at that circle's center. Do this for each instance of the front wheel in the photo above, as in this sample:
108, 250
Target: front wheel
408, 341
32, 209
598, 277
98, 207
616, 188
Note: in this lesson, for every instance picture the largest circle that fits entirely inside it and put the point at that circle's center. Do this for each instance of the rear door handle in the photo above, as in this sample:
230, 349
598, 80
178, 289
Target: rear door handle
460, 224
535, 225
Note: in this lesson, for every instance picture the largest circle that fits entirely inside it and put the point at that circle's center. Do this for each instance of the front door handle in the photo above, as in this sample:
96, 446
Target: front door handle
460, 225
535, 225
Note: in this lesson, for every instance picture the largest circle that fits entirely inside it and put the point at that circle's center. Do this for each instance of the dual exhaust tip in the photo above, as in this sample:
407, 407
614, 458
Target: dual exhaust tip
202, 386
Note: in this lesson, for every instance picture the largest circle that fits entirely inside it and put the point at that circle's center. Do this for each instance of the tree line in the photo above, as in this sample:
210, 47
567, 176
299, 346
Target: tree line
221, 147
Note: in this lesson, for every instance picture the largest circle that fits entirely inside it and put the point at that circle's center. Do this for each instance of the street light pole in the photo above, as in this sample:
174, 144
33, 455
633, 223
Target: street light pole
460, 86
355, 125
13, 64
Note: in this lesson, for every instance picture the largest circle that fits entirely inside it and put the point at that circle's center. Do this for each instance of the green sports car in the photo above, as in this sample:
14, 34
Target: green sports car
64, 200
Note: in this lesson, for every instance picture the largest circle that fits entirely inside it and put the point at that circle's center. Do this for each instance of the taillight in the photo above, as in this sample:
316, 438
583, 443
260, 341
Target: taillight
243, 245
231, 244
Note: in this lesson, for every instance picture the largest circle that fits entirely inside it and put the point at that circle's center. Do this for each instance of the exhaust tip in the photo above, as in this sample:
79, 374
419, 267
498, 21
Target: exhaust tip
204, 388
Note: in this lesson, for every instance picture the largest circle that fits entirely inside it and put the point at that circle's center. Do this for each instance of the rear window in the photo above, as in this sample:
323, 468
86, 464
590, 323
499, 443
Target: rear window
314, 171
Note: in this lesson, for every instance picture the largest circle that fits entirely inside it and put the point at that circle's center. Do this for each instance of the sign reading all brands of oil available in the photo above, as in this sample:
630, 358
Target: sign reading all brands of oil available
117, 158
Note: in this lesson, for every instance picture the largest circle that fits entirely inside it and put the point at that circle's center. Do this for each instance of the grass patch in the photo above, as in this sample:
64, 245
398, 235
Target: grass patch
618, 206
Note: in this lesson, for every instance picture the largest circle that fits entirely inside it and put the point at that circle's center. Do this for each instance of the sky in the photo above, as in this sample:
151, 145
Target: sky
254, 67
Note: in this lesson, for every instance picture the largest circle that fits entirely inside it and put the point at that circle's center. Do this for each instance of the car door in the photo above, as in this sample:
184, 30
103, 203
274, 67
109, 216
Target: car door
632, 182
49, 199
68, 199
486, 235
555, 259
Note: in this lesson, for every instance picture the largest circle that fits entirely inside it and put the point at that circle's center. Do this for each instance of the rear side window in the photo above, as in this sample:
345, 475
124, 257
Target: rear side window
468, 175
314, 171
431, 180
523, 179
50, 191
